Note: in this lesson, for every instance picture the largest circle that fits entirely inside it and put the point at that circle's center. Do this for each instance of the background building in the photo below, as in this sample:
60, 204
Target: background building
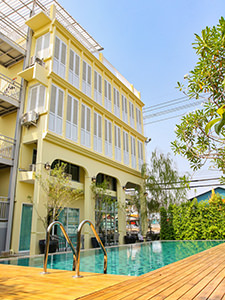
61, 100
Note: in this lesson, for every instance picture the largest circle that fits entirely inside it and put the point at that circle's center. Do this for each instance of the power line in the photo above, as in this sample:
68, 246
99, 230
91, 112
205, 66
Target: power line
193, 187
161, 120
190, 181
172, 110
163, 104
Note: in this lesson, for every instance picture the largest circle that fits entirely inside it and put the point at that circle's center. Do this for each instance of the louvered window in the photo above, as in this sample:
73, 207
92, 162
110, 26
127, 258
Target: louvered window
97, 132
124, 109
108, 96
131, 114
74, 69
125, 148
116, 98
59, 61
72, 118
97, 87
133, 151
108, 138
56, 110
36, 98
117, 135
140, 154
138, 120
85, 126
42, 46
86, 79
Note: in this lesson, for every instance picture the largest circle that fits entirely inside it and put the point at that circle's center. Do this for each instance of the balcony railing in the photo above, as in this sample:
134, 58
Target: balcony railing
6, 147
9, 87
4, 208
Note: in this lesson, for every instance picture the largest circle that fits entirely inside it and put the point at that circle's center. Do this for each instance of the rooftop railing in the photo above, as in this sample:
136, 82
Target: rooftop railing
9, 87
6, 147
120, 77
4, 208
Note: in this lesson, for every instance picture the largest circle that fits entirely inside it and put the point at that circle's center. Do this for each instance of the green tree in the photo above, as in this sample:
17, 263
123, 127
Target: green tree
163, 183
201, 134
57, 186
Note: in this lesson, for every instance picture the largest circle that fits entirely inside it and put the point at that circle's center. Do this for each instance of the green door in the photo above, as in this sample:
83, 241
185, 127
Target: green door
25, 227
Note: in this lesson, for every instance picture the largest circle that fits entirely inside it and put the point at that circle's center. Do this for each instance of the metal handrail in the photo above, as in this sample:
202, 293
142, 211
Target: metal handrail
47, 244
78, 247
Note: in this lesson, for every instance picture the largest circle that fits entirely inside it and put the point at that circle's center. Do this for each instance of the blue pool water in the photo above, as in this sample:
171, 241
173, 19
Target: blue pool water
133, 260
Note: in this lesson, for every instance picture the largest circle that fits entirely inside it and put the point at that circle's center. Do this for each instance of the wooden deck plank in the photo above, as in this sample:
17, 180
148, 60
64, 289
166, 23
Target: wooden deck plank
126, 292
219, 292
200, 276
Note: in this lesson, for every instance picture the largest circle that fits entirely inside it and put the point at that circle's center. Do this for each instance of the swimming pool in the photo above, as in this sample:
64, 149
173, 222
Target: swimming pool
133, 260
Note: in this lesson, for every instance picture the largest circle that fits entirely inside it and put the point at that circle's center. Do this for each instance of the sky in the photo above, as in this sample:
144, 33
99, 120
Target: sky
150, 44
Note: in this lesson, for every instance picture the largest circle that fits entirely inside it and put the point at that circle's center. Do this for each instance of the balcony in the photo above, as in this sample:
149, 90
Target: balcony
9, 95
4, 209
37, 71
6, 151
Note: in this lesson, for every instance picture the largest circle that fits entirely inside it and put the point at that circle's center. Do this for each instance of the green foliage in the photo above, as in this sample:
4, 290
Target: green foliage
196, 221
163, 182
201, 134
60, 194
163, 224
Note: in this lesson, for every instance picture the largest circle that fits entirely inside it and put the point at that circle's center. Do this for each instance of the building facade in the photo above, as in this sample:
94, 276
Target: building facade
64, 102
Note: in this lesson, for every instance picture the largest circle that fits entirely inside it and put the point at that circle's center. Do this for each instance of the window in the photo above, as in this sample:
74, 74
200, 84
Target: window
74, 69
108, 98
116, 97
108, 138
59, 61
133, 151
42, 46
72, 118
117, 133
124, 108
69, 217
125, 148
36, 98
97, 87
56, 110
85, 126
97, 132
140, 154
138, 120
70, 169
131, 114
86, 82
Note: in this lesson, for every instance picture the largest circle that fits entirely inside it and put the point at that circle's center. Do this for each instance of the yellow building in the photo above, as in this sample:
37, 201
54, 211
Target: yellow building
61, 100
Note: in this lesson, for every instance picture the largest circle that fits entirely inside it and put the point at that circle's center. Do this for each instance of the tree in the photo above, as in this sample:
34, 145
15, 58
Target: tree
163, 183
201, 134
57, 187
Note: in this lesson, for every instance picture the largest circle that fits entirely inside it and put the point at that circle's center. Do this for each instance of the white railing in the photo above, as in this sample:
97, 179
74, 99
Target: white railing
4, 208
6, 147
9, 87
120, 77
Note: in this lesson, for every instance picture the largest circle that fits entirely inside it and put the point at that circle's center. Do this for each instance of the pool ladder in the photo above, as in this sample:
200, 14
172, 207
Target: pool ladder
76, 253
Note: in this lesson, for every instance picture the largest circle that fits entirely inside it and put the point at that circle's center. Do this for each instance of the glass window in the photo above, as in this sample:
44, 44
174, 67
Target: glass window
72, 118
36, 98
59, 60
86, 79
56, 110
74, 69
42, 46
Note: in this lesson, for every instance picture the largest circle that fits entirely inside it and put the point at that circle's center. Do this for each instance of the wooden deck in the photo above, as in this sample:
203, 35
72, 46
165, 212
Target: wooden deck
201, 276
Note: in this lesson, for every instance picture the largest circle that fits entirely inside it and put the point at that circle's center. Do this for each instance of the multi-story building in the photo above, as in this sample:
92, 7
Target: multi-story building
61, 100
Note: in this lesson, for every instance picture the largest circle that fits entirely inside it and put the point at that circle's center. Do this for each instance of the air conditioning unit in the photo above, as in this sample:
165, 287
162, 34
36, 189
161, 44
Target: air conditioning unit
32, 167
35, 59
30, 118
